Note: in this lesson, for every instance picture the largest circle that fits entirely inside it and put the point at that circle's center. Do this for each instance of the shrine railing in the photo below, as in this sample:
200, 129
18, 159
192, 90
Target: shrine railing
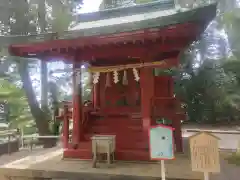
66, 115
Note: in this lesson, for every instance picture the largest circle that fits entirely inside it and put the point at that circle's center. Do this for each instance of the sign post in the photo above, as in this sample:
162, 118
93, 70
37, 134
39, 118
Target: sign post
163, 171
161, 145
204, 153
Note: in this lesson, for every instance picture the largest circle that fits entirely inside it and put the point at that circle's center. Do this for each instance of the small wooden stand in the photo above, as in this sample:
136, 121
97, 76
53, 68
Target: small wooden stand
103, 145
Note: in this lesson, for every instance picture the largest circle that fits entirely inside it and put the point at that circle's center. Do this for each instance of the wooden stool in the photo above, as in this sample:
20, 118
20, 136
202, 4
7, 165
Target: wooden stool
101, 146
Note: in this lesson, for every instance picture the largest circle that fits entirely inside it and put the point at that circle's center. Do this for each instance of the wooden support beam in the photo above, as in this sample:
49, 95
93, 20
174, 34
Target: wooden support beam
130, 50
147, 92
113, 51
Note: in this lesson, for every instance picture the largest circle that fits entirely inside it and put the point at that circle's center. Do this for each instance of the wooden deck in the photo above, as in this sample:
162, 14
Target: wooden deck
50, 165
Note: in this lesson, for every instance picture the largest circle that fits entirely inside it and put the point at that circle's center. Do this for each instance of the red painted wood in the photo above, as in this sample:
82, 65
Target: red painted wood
110, 52
102, 88
163, 86
127, 155
131, 133
167, 106
119, 91
178, 135
130, 50
130, 138
147, 93
96, 95
116, 130
187, 30
121, 122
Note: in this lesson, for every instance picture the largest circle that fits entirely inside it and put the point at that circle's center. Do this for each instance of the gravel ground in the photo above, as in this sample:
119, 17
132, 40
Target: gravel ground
4, 159
228, 171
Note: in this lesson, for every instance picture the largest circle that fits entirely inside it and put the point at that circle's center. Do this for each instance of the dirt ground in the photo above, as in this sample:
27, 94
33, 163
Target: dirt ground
4, 159
56, 167
228, 171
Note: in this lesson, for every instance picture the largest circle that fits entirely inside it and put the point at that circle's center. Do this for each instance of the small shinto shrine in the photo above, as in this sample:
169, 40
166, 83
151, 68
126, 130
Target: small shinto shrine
123, 48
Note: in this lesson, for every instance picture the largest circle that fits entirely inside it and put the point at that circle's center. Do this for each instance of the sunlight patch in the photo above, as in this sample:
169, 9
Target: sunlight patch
28, 161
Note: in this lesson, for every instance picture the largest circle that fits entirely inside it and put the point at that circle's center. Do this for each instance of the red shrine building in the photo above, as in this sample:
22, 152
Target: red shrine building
124, 48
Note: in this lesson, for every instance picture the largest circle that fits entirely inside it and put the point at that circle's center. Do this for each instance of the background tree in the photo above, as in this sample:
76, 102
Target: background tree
30, 17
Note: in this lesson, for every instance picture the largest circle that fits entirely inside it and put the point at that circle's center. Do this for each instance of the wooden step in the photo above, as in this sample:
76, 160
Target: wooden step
123, 143
115, 129
124, 154
124, 136
132, 155
136, 116
116, 122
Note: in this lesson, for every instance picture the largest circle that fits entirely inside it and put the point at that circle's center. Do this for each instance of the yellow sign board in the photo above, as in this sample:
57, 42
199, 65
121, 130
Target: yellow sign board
204, 152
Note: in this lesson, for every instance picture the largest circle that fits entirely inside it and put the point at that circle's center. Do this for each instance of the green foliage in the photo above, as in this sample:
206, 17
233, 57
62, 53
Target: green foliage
234, 159
15, 97
22, 18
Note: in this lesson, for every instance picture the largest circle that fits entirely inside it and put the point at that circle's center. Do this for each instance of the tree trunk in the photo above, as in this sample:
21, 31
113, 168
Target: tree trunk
38, 114
44, 86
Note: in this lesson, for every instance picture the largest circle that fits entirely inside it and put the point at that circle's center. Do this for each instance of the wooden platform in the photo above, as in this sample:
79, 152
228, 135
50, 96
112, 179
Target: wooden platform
50, 165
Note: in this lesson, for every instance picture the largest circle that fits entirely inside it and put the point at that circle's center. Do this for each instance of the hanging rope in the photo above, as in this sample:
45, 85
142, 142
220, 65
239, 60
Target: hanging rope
124, 67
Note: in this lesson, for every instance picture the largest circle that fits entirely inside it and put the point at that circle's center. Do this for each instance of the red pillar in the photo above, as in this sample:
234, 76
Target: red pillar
78, 133
96, 95
102, 88
177, 134
147, 92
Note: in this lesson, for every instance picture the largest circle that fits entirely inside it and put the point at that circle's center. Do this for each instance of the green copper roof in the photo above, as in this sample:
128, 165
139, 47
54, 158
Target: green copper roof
144, 20
156, 18
123, 11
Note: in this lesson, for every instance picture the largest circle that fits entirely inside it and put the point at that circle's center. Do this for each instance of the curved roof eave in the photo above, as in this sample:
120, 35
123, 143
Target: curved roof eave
156, 19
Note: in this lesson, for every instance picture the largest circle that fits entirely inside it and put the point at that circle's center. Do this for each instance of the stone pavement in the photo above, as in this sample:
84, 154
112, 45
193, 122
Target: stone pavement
50, 165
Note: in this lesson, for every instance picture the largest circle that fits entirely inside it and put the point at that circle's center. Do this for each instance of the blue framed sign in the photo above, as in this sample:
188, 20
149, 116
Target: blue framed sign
161, 142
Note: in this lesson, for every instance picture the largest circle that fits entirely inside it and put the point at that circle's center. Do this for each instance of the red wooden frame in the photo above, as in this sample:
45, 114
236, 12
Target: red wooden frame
173, 143
184, 31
